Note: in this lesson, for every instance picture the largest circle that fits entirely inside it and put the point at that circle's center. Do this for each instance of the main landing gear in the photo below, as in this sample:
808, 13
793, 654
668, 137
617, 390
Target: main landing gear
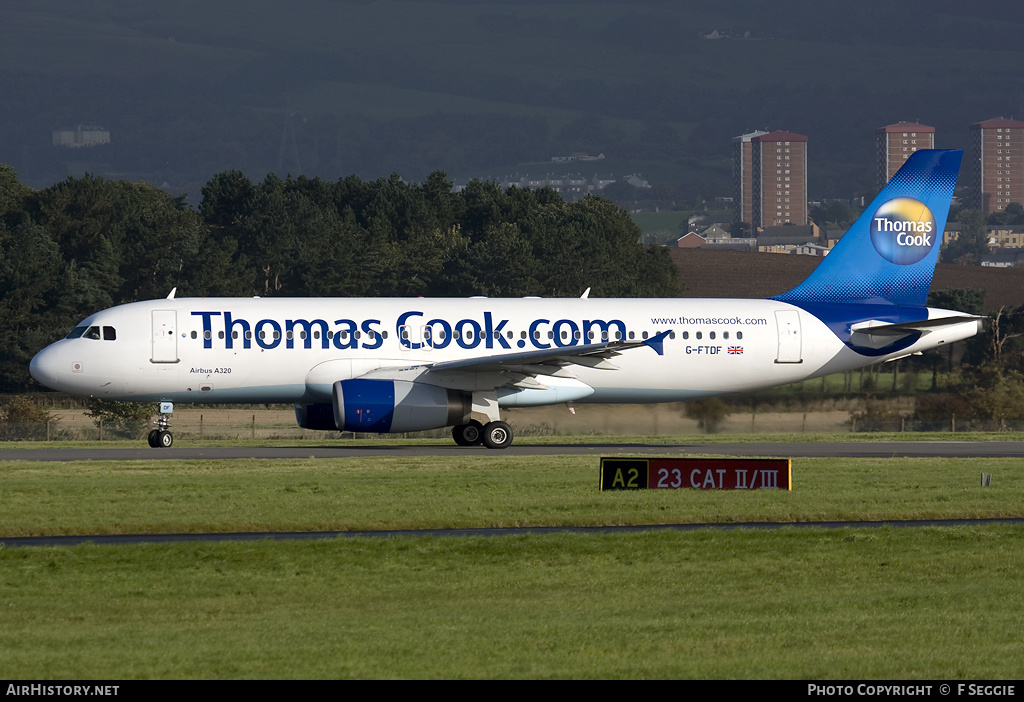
161, 437
494, 435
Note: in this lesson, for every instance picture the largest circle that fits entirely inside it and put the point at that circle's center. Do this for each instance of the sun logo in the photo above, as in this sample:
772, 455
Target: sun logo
903, 230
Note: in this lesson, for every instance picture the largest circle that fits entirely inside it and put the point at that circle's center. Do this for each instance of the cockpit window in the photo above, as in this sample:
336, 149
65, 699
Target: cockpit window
83, 332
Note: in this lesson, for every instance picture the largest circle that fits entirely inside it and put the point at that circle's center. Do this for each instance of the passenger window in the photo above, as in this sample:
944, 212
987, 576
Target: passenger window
739, 335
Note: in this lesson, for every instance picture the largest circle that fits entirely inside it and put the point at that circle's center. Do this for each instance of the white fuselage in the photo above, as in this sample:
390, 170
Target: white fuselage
277, 350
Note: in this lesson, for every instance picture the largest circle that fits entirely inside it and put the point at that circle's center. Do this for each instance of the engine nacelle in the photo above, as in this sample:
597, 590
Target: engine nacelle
368, 404
317, 416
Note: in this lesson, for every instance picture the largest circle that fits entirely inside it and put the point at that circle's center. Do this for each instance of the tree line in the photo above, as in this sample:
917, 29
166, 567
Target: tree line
87, 243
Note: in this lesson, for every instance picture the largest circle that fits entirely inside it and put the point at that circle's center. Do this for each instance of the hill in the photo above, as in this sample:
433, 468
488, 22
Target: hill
757, 275
332, 88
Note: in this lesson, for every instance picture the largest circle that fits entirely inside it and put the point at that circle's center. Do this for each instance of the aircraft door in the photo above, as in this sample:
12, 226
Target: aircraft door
790, 341
165, 337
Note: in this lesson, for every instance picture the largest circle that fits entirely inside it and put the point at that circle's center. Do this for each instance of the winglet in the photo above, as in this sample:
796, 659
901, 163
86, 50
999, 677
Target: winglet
657, 342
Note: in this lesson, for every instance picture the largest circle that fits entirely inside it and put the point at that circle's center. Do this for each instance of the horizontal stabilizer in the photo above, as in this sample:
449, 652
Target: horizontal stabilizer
904, 328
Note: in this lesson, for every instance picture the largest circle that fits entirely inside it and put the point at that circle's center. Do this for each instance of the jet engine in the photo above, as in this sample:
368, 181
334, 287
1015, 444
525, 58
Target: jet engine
373, 405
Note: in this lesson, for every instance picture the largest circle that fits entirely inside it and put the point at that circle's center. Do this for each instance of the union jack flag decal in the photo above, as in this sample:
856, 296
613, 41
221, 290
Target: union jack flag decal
736, 350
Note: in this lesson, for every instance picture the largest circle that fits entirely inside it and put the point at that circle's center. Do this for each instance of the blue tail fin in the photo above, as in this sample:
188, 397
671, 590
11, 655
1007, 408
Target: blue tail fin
888, 256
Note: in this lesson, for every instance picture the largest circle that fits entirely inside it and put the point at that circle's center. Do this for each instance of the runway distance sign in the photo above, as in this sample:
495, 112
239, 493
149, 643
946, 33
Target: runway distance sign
696, 473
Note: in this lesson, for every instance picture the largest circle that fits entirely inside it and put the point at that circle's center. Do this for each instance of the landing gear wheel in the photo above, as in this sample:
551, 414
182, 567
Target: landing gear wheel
161, 437
497, 435
468, 434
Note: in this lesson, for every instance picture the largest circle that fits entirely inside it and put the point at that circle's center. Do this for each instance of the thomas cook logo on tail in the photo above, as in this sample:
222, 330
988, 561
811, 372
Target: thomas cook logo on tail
903, 230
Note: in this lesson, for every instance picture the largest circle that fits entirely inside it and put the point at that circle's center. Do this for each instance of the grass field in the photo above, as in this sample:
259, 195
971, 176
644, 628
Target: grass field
93, 497
880, 604
920, 603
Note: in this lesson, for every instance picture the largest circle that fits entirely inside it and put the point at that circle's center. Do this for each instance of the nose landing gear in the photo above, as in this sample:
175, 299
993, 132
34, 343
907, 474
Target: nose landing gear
161, 437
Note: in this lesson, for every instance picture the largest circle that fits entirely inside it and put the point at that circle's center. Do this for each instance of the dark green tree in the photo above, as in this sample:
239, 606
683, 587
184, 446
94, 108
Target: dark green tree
1012, 214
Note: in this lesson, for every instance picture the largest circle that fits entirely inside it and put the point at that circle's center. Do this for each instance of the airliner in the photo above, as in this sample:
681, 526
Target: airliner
409, 364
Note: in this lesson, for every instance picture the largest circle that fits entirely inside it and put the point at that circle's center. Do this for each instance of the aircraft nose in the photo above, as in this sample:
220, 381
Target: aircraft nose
44, 367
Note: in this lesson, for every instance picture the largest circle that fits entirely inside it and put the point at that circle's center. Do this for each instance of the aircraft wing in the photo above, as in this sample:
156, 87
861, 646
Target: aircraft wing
590, 355
519, 369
